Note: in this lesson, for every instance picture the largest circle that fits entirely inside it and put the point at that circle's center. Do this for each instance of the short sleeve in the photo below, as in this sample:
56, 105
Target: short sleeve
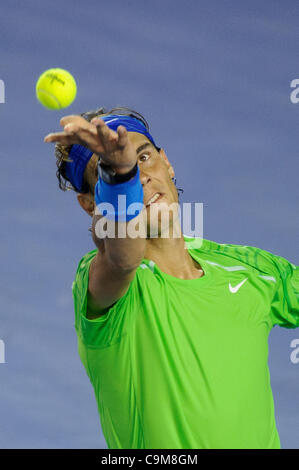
284, 309
80, 286
285, 304
110, 327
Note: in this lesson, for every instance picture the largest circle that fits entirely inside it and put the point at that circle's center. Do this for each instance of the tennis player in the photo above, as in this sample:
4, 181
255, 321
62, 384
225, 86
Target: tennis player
173, 332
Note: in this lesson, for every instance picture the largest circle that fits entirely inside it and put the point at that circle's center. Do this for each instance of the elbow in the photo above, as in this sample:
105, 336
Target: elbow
124, 263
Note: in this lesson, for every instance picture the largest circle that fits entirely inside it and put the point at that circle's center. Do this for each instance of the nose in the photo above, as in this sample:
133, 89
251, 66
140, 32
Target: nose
144, 178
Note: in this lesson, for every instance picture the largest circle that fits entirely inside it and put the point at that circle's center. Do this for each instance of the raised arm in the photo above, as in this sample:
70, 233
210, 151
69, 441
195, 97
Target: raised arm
117, 259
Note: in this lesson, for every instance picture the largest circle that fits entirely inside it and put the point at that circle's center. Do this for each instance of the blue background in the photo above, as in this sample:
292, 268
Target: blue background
213, 79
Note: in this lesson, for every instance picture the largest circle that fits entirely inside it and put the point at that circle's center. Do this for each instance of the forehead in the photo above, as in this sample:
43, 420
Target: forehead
138, 139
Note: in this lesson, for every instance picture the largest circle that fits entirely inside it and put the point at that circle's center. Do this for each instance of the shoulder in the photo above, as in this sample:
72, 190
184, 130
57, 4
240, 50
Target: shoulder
80, 282
85, 261
255, 257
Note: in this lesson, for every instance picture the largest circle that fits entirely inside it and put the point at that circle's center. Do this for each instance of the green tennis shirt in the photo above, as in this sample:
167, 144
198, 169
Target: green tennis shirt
183, 364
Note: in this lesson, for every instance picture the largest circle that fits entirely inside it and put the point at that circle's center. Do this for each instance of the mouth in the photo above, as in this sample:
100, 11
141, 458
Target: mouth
156, 197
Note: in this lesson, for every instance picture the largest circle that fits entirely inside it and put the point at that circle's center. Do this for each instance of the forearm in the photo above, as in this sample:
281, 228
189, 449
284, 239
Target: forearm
112, 269
118, 199
120, 248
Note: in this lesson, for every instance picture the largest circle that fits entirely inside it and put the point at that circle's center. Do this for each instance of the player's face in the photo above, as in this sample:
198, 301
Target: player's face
160, 194
156, 173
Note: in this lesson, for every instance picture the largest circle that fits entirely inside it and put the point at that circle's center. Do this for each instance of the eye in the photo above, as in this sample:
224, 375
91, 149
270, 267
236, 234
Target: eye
144, 157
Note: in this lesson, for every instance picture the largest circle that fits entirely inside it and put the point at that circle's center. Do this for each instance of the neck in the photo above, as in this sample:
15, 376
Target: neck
172, 257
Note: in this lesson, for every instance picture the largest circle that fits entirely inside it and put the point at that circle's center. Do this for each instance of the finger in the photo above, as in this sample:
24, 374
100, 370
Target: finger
62, 138
73, 118
97, 120
106, 135
122, 136
70, 132
82, 137
73, 128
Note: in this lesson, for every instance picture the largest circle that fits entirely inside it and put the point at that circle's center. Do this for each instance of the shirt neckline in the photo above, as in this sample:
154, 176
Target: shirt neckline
206, 278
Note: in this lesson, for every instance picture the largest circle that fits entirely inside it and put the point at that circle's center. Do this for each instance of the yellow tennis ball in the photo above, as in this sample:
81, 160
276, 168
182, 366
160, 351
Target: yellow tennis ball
56, 88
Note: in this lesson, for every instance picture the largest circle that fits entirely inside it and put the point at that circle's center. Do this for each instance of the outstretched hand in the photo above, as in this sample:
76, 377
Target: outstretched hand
114, 148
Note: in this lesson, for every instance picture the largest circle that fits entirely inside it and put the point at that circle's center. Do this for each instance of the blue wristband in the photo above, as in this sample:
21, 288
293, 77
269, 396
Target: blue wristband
120, 202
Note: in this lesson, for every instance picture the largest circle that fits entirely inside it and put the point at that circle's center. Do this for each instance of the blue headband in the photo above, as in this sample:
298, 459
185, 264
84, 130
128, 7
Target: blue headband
80, 156
74, 170
130, 123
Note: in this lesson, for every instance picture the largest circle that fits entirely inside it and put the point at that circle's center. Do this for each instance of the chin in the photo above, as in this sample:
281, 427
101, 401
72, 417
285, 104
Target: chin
160, 223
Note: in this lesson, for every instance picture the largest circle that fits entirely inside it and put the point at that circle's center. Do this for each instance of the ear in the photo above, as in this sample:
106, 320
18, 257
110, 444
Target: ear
169, 166
86, 201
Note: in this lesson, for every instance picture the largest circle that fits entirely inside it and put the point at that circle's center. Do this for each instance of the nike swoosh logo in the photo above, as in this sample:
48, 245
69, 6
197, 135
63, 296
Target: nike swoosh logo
237, 287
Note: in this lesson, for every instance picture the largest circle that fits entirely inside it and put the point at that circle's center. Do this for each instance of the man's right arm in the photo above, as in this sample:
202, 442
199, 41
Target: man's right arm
115, 264
112, 270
